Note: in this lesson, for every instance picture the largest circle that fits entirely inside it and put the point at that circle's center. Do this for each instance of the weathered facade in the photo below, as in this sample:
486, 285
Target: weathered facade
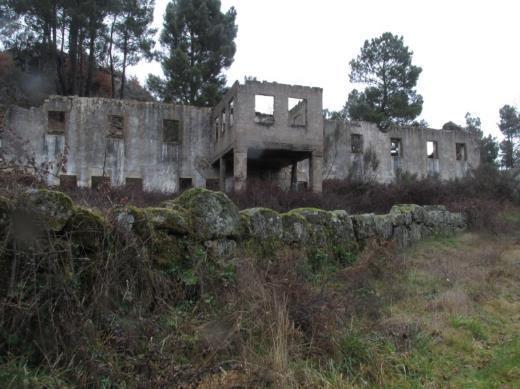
259, 129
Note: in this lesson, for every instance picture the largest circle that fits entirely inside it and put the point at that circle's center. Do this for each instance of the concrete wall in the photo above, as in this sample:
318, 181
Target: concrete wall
280, 134
85, 141
139, 153
223, 134
340, 161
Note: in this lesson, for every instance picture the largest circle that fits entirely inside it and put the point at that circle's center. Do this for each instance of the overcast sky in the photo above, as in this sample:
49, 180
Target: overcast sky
469, 50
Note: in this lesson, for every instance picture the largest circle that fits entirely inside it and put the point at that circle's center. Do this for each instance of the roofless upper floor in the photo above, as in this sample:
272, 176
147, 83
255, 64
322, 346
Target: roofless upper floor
268, 115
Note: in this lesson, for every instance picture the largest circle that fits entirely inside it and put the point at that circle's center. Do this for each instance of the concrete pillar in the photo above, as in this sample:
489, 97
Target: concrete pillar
222, 177
316, 172
294, 176
240, 169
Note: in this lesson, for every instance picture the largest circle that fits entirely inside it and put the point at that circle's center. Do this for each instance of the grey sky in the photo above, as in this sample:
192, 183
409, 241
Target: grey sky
468, 49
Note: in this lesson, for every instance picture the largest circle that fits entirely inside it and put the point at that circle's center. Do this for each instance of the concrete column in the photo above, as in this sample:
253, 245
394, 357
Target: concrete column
294, 176
316, 172
240, 169
222, 177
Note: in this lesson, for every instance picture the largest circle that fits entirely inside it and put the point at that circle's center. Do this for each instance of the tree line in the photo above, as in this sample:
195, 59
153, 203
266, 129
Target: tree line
72, 38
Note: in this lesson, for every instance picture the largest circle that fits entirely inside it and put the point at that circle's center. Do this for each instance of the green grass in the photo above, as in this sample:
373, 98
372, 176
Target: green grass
465, 339
17, 374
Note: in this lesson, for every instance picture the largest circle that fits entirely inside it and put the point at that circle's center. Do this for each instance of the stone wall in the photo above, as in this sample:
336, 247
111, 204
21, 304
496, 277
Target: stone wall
209, 222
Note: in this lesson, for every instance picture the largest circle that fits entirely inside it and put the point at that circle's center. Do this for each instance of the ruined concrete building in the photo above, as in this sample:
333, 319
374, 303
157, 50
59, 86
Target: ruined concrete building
259, 129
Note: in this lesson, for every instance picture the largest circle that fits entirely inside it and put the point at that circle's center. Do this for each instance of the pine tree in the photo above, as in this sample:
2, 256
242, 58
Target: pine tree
134, 36
385, 67
198, 43
510, 127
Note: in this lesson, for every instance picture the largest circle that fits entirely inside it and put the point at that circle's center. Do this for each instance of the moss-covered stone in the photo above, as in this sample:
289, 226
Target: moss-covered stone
262, 223
341, 228
383, 225
295, 228
402, 236
49, 208
171, 220
364, 226
221, 249
402, 215
87, 230
318, 226
457, 220
415, 233
133, 220
212, 214
167, 250
436, 216
417, 212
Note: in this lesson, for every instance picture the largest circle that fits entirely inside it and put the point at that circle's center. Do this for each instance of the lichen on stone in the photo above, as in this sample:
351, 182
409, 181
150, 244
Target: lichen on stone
364, 226
383, 225
87, 229
172, 220
51, 209
133, 220
262, 223
212, 214
295, 228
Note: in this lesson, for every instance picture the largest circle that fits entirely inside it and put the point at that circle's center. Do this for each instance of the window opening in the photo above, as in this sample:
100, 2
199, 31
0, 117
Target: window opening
117, 124
460, 152
396, 149
357, 143
264, 109
297, 112
56, 122
171, 131
432, 150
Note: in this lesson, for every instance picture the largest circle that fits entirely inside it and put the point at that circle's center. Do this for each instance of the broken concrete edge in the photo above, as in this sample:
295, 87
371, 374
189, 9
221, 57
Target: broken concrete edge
203, 215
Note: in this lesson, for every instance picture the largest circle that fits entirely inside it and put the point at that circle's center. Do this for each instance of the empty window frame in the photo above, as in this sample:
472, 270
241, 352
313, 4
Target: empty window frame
171, 131
116, 126
432, 149
356, 143
297, 112
56, 122
460, 152
223, 121
68, 181
264, 109
99, 182
134, 183
231, 110
216, 126
212, 183
396, 147
185, 183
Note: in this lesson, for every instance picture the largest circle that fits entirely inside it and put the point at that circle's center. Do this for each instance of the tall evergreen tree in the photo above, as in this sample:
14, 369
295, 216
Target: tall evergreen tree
198, 42
134, 36
510, 127
488, 145
384, 65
